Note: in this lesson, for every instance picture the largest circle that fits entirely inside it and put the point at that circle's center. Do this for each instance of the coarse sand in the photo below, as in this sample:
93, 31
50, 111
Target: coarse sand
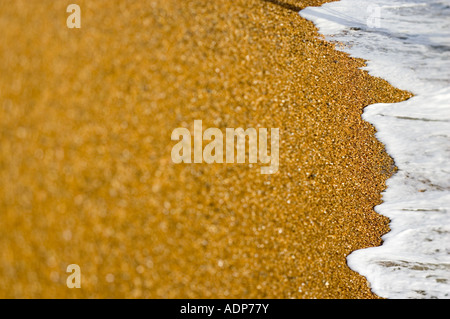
86, 175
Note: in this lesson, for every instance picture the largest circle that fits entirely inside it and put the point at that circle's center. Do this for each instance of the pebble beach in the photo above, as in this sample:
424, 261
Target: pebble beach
86, 174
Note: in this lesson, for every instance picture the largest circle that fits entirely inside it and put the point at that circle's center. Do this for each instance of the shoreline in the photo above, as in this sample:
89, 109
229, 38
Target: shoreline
416, 200
89, 171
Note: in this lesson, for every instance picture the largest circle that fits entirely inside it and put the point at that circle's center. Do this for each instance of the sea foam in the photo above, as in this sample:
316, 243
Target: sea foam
406, 42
